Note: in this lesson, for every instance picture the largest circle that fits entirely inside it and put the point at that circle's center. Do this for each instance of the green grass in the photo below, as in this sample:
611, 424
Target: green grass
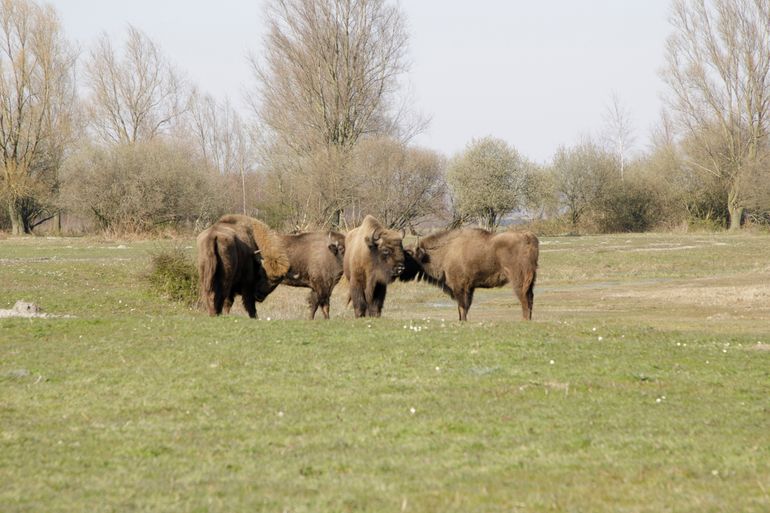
642, 385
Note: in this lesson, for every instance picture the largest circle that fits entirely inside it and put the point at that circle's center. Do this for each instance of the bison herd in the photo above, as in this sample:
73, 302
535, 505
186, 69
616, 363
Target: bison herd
239, 255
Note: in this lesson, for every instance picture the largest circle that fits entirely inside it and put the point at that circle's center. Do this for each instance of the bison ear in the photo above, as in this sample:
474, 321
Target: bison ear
420, 254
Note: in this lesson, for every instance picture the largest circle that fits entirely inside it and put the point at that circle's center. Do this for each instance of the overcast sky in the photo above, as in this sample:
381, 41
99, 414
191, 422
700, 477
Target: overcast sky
538, 74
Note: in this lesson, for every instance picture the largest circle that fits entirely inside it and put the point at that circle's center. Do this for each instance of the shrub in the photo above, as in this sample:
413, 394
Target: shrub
630, 206
173, 275
488, 180
141, 187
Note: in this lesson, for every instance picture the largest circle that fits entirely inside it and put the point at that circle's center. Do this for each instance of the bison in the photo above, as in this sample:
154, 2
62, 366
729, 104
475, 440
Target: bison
315, 260
239, 255
374, 257
460, 261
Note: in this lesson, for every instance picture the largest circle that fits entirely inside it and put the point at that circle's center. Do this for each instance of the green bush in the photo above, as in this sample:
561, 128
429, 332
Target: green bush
173, 276
634, 205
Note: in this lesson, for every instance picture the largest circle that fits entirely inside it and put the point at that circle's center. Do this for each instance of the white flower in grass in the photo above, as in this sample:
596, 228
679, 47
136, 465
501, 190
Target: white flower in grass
412, 411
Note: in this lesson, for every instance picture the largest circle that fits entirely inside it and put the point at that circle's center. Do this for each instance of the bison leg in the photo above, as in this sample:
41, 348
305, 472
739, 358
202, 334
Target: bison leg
530, 303
249, 303
378, 299
227, 303
213, 302
313, 301
358, 299
322, 299
464, 300
215, 299
526, 293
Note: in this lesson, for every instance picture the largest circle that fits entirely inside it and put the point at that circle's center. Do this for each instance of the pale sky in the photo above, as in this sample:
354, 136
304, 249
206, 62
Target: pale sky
538, 74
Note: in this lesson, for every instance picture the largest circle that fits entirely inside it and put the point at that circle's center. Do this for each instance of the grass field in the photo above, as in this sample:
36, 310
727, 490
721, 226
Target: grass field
642, 385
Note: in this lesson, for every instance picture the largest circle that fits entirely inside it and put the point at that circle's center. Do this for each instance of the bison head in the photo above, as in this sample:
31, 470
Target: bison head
264, 284
414, 259
388, 249
337, 246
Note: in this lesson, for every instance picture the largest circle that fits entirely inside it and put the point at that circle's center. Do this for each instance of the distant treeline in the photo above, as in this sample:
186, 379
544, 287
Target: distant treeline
115, 138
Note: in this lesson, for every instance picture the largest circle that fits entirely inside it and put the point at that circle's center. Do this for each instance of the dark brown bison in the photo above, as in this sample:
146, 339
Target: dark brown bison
374, 257
315, 262
239, 255
460, 261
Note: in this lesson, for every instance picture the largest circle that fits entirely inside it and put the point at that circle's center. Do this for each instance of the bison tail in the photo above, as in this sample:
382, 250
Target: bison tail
207, 269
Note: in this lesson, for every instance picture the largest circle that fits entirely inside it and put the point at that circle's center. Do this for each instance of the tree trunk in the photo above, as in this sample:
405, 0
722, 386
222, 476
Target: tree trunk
57, 223
736, 217
17, 219
243, 191
734, 208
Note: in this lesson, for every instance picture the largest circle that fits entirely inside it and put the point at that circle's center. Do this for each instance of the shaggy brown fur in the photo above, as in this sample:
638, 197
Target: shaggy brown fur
239, 255
270, 244
460, 261
374, 257
316, 263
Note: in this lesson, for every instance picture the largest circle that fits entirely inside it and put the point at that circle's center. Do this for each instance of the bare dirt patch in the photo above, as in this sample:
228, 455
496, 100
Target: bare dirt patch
703, 294
24, 309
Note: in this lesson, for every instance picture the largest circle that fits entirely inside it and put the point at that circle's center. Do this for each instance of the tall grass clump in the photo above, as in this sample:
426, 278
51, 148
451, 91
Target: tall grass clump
173, 275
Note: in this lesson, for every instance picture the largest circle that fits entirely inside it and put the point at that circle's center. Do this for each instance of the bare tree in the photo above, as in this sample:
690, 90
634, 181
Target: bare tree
224, 139
329, 76
581, 175
400, 184
488, 180
133, 97
718, 72
36, 96
619, 131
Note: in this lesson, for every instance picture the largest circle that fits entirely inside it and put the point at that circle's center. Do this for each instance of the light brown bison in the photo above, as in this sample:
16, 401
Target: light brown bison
315, 260
374, 257
460, 261
239, 255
